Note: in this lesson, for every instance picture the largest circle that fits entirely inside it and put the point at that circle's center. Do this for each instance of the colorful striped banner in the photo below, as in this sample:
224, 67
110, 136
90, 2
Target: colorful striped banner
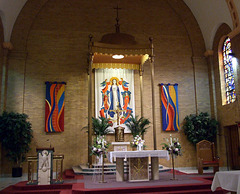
54, 109
169, 101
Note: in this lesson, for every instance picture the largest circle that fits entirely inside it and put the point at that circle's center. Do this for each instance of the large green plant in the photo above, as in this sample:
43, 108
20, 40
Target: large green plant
100, 126
200, 127
15, 136
137, 126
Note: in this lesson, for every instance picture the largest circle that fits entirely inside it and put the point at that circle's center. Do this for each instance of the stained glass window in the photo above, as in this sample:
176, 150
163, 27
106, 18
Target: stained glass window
228, 72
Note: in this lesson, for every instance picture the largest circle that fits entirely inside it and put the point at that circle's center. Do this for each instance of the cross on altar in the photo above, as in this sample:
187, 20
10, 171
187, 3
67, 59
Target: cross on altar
118, 111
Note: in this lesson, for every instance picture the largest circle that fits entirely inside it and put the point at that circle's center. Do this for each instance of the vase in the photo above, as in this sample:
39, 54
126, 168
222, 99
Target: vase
99, 160
134, 148
17, 172
102, 156
139, 147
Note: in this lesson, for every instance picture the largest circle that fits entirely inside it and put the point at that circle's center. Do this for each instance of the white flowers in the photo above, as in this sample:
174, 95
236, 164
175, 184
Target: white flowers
173, 147
100, 145
138, 141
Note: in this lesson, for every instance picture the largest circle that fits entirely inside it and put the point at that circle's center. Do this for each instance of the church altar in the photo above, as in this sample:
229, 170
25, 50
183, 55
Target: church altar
138, 163
227, 180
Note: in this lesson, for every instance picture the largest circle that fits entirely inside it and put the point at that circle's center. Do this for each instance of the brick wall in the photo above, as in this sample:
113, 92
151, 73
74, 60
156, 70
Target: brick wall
50, 40
227, 115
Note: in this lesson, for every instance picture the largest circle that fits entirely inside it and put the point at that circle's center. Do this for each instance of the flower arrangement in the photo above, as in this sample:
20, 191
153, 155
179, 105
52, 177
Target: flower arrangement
137, 141
100, 146
173, 146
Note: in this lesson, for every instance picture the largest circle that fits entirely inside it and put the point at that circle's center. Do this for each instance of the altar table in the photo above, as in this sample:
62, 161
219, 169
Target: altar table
139, 155
228, 180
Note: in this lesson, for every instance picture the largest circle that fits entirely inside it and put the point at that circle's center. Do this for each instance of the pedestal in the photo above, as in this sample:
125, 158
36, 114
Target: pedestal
120, 146
102, 180
119, 134
45, 166
173, 165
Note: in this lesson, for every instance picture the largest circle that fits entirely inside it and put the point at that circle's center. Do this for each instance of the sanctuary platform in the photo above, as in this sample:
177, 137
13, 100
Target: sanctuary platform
83, 184
109, 168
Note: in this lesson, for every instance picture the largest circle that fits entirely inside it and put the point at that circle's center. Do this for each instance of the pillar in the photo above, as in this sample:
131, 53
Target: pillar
209, 56
90, 61
153, 94
7, 47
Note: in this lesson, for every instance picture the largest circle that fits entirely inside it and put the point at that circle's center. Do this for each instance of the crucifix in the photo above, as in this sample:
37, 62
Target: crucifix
119, 131
118, 111
117, 19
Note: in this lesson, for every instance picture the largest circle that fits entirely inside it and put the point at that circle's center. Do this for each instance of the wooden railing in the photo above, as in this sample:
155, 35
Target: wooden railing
32, 161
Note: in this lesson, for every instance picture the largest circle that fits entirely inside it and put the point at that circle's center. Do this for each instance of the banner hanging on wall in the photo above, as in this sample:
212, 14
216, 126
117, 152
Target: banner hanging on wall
54, 109
170, 112
114, 90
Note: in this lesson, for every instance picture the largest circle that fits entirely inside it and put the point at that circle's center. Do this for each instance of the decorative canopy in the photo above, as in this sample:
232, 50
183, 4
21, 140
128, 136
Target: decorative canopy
118, 44
135, 55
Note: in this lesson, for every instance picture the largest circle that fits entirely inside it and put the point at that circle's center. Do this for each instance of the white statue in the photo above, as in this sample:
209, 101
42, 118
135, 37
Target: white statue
44, 168
45, 162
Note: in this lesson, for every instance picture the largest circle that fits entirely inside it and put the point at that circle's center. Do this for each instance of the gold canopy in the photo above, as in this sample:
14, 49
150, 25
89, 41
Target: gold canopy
134, 55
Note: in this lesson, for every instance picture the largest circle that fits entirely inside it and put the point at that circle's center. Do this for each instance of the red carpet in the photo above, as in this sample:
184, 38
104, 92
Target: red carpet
69, 174
78, 184
176, 172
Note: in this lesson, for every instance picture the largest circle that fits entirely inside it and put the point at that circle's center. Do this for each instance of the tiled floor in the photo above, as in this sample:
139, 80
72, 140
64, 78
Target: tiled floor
8, 180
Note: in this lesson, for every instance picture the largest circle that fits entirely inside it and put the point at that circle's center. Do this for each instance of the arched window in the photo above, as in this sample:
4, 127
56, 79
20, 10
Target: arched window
228, 72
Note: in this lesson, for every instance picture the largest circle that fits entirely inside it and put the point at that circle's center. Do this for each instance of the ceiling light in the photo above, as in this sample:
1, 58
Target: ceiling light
118, 56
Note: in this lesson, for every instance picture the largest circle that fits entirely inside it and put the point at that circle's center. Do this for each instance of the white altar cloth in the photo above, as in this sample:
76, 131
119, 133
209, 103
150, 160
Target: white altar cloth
154, 154
228, 180
138, 154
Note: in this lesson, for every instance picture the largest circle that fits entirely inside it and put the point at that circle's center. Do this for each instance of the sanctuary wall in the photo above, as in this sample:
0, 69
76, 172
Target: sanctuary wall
226, 114
50, 41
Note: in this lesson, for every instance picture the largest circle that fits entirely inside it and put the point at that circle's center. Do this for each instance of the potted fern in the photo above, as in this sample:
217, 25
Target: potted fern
200, 127
137, 127
15, 137
100, 145
100, 127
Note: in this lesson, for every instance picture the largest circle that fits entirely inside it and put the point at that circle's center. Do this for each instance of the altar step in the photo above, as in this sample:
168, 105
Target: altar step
109, 168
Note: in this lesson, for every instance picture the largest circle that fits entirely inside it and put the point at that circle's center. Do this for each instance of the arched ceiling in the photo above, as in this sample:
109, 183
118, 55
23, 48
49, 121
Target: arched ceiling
9, 10
210, 14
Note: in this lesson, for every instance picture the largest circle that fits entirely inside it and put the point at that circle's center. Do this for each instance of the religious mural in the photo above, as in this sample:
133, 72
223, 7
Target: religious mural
54, 109
115, 96
170, 112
